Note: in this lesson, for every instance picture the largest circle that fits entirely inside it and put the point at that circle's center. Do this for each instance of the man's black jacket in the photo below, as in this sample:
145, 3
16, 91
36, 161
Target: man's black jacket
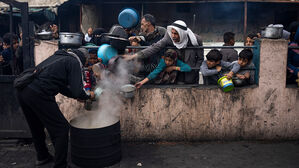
61, 73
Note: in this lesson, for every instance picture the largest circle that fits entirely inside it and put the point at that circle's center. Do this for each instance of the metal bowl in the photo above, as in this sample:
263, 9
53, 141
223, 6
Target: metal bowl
128, 91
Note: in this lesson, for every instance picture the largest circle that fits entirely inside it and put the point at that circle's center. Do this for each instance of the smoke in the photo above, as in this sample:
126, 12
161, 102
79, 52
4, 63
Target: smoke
106, 110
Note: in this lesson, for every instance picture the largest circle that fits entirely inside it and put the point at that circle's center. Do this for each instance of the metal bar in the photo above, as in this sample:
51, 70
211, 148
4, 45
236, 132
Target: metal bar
197, 2
293, 47
26, 41
204, 47
245, 21
250, 69
12, 55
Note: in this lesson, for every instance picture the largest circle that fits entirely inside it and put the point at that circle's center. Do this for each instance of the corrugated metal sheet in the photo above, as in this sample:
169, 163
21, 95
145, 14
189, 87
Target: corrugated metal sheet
38, 3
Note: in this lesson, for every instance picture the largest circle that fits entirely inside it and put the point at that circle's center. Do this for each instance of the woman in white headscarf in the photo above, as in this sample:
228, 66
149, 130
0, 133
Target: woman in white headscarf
179, 36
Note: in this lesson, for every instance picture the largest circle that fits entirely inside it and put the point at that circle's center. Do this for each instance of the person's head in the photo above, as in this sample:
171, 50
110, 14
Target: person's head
213, 58
229, 38
134, 42
93, 57
292, 29
148, 23
250, 39
170, 57
82, 53
6, 40
245, 57
179, 32
175, 35
89, 32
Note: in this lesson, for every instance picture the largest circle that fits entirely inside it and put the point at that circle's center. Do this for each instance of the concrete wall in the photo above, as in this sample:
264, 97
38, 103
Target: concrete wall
91, 17
267, 111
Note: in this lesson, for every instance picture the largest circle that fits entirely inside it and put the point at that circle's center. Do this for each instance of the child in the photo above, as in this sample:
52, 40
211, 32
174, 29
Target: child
212, 68
229, 54
167, 69
92, 59
250, 39
244, 76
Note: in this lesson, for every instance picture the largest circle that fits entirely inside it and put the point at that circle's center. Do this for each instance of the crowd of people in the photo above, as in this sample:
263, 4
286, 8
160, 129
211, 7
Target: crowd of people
180, 65
62, 72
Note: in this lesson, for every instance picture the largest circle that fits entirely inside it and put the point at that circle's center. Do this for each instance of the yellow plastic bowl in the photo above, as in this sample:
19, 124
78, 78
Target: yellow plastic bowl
225, 84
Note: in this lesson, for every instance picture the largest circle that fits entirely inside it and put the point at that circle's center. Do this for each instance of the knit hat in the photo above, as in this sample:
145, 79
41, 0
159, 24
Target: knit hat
82, 53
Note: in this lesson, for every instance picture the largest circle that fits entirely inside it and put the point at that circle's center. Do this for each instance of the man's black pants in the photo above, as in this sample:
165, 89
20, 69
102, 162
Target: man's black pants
42, 112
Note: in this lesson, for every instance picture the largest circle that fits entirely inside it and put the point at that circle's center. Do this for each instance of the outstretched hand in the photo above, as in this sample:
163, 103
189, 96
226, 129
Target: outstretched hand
138, 85
229, 75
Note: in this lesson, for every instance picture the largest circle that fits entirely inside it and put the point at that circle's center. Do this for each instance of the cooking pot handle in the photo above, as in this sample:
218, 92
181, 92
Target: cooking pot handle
68, 35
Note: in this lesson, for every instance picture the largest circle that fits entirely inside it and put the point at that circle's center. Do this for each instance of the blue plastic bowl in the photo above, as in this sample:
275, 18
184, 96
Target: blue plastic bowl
106, 52
128, 18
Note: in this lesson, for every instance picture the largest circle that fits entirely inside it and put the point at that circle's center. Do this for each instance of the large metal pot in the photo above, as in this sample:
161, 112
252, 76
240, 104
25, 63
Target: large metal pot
272, 32
70, 39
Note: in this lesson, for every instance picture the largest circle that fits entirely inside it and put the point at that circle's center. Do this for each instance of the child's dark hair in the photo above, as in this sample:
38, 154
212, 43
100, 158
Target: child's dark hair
246, 54
6, 38
171, 53
251, 35
92, 51
214, 55
228, 36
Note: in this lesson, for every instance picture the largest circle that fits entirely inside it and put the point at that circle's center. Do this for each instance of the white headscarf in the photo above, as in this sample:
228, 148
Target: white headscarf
183, 31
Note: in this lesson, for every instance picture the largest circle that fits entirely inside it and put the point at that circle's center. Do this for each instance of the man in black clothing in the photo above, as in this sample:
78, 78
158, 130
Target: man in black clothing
61, 73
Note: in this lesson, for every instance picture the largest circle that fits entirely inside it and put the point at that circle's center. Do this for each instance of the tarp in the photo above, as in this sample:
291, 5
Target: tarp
38, 3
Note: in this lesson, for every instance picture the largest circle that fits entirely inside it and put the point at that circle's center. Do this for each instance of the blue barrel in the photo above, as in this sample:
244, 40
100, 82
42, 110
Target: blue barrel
106, 52
128, 18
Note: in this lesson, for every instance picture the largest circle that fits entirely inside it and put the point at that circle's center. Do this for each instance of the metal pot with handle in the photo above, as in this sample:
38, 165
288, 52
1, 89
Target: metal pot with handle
272, 31
128, 91
70, 39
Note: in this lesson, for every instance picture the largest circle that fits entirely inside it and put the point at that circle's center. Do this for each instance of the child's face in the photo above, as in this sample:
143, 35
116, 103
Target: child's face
93, 59
242, 62
249, 41
168, 61
212, 63
134, 43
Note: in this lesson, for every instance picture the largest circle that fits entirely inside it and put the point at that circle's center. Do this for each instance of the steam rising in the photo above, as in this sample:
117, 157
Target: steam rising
106, 110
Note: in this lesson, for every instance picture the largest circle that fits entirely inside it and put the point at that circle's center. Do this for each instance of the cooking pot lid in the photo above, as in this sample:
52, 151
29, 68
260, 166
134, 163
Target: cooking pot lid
117, 38
44, 33
68, 33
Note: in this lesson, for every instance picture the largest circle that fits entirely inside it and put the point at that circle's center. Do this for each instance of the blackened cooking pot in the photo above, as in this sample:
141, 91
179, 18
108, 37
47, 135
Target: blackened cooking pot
95, 147
70, 39
118, 43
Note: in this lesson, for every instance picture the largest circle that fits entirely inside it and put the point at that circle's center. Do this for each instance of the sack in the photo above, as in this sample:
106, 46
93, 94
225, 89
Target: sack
25, 78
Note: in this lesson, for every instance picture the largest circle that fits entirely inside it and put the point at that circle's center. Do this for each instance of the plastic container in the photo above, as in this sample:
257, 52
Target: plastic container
106, 52
128, 18
225, 84
200, 79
